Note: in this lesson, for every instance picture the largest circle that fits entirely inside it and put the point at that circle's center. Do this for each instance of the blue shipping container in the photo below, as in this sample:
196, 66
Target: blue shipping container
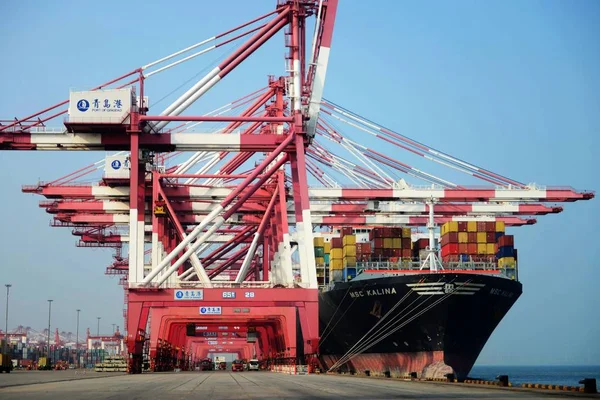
506, 251
349, 273
498, 235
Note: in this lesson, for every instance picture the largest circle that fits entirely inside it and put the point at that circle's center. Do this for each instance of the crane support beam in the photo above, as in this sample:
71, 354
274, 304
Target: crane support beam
166, 142
550, 194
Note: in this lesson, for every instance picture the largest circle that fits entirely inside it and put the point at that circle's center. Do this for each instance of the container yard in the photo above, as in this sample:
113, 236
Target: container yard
281, 234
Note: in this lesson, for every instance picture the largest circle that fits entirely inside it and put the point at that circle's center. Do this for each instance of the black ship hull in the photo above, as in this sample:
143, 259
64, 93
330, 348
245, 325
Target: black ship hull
431, 324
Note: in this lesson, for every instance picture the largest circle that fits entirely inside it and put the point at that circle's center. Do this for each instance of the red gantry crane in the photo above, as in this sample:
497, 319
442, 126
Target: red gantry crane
216, 212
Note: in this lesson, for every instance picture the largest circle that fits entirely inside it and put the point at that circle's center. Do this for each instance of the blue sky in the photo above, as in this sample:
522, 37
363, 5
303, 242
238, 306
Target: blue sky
511, 85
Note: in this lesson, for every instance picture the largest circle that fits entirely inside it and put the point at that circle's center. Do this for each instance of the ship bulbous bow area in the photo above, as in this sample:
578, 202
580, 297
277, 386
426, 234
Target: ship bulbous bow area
398, 324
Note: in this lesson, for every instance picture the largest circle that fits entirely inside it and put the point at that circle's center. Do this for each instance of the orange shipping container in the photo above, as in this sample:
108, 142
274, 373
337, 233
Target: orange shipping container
336, 264
337, 254
349, 240
481, 237
448, 227
349, 250
472, 226
350, 262
472, 248
481, 248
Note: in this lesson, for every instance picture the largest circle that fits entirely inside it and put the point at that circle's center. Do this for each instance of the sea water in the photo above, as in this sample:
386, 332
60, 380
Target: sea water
555, 375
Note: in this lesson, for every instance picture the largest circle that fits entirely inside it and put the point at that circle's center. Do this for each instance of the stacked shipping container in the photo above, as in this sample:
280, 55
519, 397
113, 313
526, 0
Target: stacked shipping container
337, 257
322, 250
463, 241
477, 241
507, 255
391, 244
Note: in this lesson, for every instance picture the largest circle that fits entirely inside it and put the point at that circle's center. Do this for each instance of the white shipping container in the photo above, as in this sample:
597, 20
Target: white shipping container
117, 167
110, 106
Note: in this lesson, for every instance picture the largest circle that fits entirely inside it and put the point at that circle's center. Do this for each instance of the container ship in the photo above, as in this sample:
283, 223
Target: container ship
391, 305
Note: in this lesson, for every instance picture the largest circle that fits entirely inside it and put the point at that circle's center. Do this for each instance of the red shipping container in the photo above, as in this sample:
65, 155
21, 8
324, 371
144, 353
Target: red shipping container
481, 227
506, 240
406, 243
490, 237
377, 252
366, 248
346, 230
421, 244
462, 226
472, 237
472, 248
396, 232
358, 249
377, 232
388, 253
490, 226
396, 253
378, 243
444, 240
387, 232
451, 237
463, 248
406, 253
336, 243
450, 249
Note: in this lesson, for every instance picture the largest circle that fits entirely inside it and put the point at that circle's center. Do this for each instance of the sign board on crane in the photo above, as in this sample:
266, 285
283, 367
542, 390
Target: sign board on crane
109, 106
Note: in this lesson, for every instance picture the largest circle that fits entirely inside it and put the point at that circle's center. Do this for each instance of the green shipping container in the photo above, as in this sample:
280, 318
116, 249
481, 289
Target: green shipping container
326, 259
319, 251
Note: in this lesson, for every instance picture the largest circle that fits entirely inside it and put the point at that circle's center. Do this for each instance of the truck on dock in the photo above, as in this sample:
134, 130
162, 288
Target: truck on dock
44, 364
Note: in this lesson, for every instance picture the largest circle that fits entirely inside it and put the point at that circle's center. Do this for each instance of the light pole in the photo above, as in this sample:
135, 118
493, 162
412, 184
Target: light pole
98, 331
77, 340
49, 314
8, 285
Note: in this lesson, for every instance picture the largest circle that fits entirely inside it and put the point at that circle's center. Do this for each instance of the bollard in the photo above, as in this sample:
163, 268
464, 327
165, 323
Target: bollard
589, 385
387, 374
502, 380
367, 372
413, 375
450, 377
